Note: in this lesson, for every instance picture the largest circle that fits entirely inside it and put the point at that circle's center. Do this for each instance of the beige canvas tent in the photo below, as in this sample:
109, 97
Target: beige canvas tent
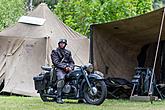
120, 46
24, 48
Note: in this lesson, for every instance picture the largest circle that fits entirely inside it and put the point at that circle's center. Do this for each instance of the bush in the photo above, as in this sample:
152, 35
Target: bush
10, 11
79, 14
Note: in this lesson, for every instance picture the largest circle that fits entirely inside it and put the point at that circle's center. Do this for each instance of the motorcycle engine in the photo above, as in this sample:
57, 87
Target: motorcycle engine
69, 88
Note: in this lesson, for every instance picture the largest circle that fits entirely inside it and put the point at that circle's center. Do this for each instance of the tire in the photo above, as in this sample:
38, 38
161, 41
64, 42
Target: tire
98, 97
44, 98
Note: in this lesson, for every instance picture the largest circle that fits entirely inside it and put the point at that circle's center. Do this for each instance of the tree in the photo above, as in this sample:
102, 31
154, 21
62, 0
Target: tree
158, 4
11, 10
50, 3
79, 14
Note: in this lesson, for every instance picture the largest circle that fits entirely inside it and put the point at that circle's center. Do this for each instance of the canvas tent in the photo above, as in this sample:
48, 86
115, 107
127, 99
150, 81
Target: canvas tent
24, 48
120, 46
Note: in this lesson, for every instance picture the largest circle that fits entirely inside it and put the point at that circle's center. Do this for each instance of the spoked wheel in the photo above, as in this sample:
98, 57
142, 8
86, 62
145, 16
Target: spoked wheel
45, 98
97, 93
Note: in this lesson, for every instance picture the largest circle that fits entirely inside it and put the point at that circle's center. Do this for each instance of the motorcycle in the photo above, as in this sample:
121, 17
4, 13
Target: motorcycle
82, 83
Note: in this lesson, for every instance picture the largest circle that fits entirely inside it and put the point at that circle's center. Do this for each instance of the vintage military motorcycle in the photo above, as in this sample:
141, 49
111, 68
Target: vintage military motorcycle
82, 83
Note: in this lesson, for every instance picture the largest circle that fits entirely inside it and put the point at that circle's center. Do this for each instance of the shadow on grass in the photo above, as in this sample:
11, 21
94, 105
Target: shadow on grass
74, 102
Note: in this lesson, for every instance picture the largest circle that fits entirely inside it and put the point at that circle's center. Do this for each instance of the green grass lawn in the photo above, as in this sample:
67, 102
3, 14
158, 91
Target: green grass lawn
35, 103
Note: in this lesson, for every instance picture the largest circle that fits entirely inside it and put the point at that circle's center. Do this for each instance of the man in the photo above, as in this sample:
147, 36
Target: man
62, 60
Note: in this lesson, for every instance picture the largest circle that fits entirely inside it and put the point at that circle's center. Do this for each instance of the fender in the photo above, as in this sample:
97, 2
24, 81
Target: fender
92, 76
95, 76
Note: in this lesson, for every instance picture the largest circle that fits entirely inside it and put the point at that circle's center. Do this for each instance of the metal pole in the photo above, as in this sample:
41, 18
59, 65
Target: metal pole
30, 5
156, 54
91, 45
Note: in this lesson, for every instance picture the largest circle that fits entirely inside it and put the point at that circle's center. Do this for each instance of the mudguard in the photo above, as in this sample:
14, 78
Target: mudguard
95, 76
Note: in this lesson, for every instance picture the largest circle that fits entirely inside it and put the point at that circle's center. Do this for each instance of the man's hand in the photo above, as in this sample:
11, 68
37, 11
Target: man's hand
68, 69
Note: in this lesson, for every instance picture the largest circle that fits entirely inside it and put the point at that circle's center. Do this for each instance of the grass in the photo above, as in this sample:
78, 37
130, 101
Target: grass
35, 103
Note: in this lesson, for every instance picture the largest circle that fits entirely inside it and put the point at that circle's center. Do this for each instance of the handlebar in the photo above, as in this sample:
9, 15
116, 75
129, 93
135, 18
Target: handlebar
77, 66
82, 66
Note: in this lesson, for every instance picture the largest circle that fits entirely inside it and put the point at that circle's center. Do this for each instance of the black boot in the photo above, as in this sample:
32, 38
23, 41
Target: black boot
60, 84
59, 100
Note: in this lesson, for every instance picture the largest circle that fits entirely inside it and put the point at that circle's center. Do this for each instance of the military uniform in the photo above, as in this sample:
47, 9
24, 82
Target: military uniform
61, 58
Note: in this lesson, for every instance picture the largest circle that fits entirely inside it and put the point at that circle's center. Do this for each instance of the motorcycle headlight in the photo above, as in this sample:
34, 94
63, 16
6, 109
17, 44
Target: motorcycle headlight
89, 68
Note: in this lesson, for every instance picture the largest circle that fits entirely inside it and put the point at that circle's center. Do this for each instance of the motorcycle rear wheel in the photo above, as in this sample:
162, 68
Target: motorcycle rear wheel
100, 94
45, 98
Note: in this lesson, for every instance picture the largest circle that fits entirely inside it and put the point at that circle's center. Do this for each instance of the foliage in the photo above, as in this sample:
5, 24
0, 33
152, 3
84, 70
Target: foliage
10, 11
158, 4
79, 14
50, 3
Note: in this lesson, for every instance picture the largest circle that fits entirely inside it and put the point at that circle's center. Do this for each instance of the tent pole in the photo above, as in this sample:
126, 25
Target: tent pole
47, 48
156, 54
30, 5
91, 45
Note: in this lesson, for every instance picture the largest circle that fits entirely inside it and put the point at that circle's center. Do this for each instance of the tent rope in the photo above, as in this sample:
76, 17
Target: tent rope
156, 54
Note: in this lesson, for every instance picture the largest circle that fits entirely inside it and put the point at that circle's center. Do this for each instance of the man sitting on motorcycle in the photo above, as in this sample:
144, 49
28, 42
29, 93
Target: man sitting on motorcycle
63, 61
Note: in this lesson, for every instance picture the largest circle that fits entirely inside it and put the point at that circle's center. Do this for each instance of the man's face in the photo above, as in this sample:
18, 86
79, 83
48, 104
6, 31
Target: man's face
62, 45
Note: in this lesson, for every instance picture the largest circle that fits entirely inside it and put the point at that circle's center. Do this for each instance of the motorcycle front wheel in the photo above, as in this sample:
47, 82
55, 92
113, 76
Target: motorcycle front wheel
45, 98
97, 93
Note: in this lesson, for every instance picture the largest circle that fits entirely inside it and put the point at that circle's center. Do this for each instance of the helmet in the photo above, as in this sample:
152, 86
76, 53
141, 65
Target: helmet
62, 41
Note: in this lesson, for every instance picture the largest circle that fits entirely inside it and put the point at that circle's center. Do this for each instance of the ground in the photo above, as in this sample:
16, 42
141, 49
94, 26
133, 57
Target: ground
35, 103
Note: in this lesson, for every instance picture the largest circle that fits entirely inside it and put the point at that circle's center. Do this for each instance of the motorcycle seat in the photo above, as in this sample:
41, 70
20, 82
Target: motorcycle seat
47, 68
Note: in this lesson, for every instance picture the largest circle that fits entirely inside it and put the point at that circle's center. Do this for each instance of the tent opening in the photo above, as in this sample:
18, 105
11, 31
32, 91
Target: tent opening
145, 58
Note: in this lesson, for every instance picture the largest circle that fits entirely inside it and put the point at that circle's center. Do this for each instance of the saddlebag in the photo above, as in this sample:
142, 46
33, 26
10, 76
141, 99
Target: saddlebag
39, 82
